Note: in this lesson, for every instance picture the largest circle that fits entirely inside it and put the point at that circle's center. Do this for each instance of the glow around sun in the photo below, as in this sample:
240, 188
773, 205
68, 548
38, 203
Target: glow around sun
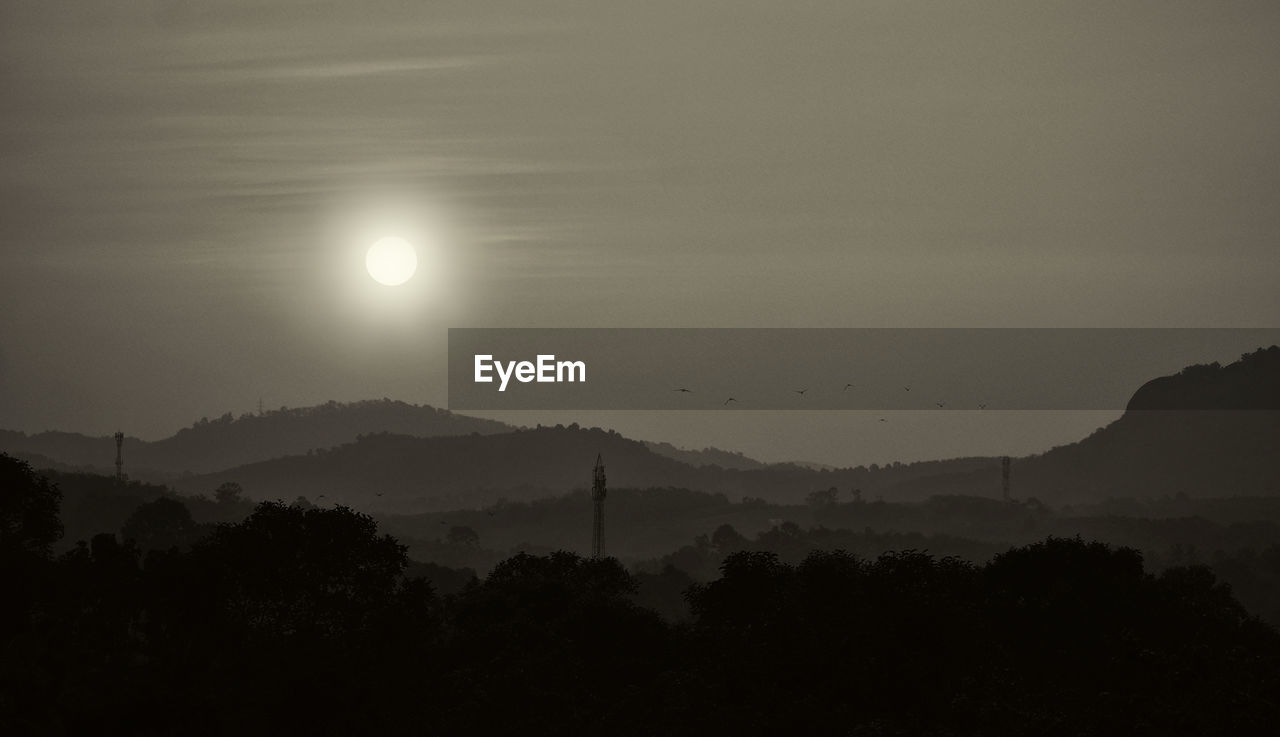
391, 261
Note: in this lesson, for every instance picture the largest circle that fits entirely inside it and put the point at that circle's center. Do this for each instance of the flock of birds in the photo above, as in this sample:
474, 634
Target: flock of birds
801, 392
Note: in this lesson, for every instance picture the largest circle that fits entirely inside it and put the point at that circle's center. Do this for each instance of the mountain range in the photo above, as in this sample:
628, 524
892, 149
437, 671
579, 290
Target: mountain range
1209, 430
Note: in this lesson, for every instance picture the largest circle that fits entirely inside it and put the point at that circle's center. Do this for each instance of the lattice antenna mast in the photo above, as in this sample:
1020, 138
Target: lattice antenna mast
1004, 479
597, 499
119, 458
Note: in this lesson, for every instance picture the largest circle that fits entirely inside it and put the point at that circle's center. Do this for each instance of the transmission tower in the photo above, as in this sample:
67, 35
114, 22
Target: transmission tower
119, 458
597, 499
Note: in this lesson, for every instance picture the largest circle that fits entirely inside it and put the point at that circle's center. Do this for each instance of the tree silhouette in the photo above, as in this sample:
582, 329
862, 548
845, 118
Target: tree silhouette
29, 526
29, 504
727, 540
568, 619
286, 570
822, 497
300, 620
161, 524
228, 493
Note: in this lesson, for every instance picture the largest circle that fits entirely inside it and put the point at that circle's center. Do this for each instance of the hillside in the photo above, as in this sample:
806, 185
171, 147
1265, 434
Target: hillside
705, 457
1252, 383
1207, 431
210, 445
406, 474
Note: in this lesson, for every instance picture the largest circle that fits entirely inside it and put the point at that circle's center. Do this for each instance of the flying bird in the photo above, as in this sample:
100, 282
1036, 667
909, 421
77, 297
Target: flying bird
378, 494
730, 399
682, 389
907, 388
883, 419
940, 404
982, 406
847, 387
800, 391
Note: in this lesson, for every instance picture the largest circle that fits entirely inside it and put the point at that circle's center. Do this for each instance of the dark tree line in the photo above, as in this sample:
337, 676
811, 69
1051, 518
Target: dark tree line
302, 621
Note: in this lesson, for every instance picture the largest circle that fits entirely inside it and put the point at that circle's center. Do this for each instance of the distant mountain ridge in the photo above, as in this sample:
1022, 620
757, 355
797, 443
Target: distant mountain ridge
409, 474
226, 442
1158, 447
1252, 383
705, 457
1207, 431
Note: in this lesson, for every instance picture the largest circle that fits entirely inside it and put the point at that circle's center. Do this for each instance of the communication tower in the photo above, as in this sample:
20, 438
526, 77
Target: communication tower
119, 458
597, 499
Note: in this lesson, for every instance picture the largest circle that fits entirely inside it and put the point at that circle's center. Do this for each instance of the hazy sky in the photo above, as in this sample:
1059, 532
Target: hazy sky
188, 188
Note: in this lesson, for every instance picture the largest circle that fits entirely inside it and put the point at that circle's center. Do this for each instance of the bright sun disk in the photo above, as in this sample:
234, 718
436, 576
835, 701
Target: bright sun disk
391, 261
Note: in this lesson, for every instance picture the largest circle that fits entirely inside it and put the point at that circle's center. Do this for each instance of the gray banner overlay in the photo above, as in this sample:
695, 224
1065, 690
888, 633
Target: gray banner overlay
943, 369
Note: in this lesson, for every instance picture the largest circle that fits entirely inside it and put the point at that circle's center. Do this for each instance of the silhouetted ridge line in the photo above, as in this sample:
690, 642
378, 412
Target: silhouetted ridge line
1252, 383
228, 441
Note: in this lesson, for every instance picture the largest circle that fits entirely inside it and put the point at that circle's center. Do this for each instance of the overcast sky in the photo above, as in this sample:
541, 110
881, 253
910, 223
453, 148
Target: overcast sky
187, 188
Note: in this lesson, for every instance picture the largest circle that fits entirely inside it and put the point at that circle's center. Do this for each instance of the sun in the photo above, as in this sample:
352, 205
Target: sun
391, 261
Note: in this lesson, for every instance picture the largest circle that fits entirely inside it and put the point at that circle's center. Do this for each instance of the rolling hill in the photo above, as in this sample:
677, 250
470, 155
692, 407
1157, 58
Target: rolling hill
1208, 431
226, 442
407, 474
